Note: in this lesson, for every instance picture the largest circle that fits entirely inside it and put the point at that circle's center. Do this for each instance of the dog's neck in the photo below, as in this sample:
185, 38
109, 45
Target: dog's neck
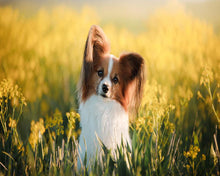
106, 118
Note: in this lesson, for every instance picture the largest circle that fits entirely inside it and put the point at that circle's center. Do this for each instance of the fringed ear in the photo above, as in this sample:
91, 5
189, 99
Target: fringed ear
96, 45
133, 73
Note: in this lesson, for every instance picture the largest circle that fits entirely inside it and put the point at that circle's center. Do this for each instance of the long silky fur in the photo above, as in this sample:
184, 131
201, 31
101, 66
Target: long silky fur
137, 80
96, 45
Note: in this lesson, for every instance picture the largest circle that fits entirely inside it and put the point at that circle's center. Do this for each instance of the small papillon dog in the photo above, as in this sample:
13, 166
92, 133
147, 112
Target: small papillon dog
109, 88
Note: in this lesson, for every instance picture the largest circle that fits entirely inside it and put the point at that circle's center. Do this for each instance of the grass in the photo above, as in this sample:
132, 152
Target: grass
176, 130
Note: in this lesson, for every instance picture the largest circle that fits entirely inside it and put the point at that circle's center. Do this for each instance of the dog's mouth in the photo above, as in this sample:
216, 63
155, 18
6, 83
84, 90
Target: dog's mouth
104, 95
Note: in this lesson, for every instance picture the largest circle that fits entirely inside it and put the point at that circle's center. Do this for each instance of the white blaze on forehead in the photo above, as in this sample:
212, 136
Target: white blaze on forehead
107, 79
110, 65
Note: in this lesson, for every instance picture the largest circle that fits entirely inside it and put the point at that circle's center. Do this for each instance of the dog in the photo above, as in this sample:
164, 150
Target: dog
109, 89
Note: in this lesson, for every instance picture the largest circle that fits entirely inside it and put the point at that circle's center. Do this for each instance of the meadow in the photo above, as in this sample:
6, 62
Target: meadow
176, 130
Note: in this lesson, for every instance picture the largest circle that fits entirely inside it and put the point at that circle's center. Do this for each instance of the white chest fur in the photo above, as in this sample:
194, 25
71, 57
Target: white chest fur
107, 119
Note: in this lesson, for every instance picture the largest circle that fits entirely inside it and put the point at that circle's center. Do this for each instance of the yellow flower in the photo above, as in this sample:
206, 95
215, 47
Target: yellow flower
12, 123
37, 130
11, 92
196, 149
140, 122
192, 153
55, 122
186, 154
187, 167
68, 114
207, 76
73, 119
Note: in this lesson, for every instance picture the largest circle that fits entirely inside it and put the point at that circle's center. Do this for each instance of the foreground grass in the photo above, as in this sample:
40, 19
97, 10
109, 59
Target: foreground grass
176, 130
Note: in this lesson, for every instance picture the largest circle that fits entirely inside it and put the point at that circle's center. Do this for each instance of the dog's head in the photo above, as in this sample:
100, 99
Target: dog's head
105, 75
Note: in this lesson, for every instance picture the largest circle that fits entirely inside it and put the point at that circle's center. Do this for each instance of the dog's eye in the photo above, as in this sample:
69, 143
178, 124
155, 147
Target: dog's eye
100, 73
115, 80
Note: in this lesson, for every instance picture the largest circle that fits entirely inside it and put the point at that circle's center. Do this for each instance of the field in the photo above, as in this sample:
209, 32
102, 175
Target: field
177, 128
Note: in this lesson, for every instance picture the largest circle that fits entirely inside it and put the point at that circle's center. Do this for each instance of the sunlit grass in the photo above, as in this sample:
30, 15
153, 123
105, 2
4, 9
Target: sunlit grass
40, 62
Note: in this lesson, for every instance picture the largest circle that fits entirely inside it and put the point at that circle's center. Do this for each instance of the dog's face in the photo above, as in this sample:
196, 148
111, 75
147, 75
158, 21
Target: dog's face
105, 75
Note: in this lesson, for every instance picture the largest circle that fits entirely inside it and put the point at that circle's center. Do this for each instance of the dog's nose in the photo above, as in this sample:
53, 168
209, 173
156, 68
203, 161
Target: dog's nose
105, 88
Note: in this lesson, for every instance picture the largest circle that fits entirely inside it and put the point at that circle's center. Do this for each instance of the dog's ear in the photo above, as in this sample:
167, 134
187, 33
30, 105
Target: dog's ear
132, 65
97, 45
133, 73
